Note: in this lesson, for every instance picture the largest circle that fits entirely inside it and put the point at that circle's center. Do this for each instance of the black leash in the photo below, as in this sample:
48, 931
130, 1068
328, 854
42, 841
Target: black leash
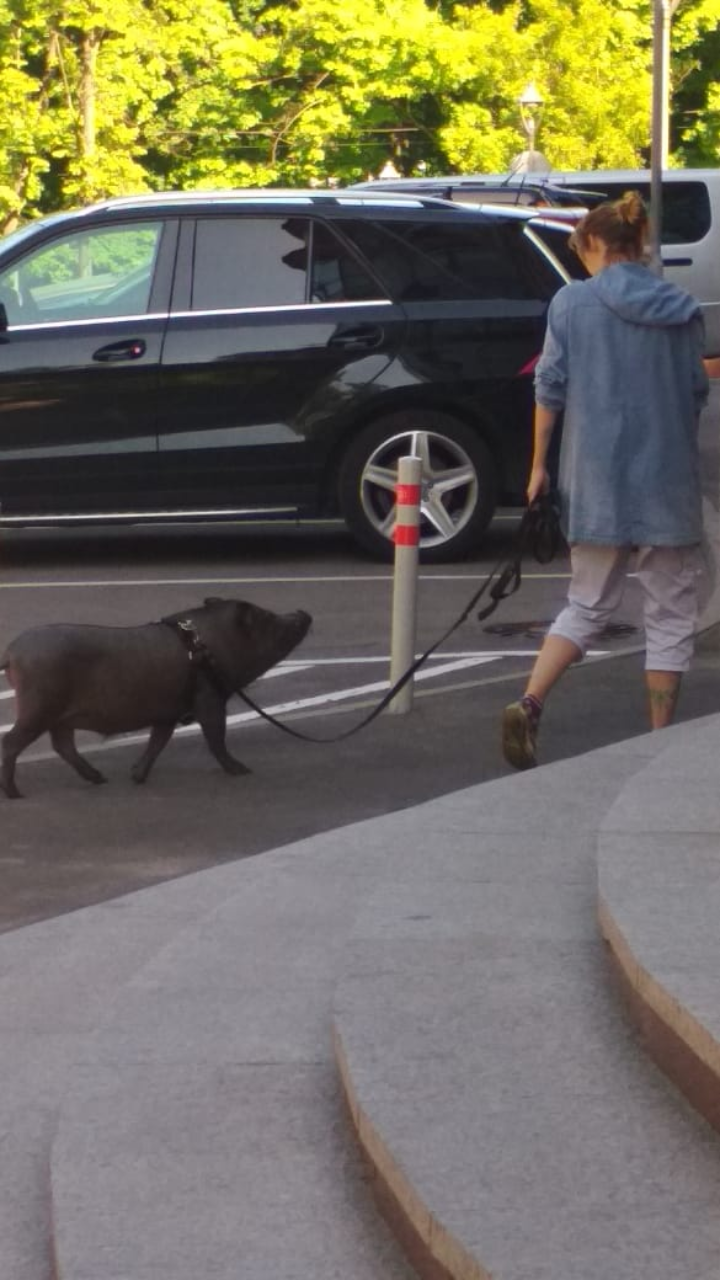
539, 532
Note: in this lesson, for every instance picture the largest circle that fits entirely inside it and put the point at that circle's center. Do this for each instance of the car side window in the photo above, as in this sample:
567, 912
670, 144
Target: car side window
686, 211
249, 262
90, 274
337, 274
422, 261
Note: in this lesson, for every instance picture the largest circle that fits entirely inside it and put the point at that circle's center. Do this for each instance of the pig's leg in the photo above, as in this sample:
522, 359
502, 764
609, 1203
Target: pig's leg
63, 740
15, 741
160, 735
210, 715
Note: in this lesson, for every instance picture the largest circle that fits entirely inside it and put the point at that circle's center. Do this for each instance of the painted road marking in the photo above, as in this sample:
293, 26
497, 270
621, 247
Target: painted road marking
473, 656
337, 695
92, 583
291, 665
448, 665
318, 700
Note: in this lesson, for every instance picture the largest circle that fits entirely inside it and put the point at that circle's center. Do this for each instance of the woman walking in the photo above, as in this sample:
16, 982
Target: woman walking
622, 361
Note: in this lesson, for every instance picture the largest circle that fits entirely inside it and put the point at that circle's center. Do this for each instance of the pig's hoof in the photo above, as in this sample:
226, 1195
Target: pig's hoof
95, 777
11, 791
235, 767
138, 776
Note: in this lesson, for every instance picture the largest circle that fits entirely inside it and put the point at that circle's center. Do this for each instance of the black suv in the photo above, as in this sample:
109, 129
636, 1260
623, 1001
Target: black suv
230, 355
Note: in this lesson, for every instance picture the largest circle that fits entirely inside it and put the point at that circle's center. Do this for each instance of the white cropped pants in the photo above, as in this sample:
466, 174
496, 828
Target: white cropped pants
669, 579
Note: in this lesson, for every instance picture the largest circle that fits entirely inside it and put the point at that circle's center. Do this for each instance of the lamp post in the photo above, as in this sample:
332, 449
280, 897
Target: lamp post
663, 11
668, 11
531, 106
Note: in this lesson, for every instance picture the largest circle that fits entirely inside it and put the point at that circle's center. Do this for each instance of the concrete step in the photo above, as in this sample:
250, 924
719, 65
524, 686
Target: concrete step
516, 1125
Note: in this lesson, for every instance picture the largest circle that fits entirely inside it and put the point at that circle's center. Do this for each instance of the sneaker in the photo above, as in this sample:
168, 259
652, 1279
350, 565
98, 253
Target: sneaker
519, 733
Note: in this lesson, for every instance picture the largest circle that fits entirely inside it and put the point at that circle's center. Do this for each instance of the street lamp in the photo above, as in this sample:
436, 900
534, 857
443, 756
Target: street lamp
531, 108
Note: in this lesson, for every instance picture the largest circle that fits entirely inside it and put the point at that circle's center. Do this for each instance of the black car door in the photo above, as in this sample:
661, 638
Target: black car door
276, 328
86, 310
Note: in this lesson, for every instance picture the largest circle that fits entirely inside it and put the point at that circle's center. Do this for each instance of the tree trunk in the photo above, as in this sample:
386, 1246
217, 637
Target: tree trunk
89, 53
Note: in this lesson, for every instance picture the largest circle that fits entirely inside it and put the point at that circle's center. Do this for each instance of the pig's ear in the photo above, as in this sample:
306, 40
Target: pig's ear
242, 612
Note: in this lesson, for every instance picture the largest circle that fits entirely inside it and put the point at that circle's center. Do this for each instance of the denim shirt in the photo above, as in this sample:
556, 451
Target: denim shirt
623, 360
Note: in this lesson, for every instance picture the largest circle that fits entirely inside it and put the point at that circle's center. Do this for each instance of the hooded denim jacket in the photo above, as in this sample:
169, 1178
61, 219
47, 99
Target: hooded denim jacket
623, 360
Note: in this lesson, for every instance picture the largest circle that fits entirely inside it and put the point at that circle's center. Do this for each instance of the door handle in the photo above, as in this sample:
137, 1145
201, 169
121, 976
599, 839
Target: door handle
362, 337
130, 349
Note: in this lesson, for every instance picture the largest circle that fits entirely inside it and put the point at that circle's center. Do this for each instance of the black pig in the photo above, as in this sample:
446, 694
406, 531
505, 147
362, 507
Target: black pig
120, 679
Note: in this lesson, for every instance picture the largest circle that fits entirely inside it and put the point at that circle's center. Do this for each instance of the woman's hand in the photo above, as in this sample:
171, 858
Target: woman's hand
538, 484
543, 427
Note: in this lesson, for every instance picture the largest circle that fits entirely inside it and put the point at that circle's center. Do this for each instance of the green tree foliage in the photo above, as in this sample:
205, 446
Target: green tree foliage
302, 96
696, 83
590, 61
100, 97
81, 86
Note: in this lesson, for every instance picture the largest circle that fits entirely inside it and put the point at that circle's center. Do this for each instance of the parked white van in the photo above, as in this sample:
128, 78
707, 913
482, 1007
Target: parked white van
690, 217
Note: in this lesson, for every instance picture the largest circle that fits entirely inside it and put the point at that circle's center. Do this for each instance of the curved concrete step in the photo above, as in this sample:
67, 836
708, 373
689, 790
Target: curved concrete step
659, 907
514, 1121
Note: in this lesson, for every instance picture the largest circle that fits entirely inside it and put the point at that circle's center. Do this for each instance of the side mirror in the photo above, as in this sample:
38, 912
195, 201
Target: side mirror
3, 318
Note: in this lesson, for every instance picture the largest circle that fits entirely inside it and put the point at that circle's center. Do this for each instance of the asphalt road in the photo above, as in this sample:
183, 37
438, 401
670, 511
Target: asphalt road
68, 843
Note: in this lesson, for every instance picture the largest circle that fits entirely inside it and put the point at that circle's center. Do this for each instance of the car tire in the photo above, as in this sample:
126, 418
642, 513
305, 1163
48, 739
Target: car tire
458, 484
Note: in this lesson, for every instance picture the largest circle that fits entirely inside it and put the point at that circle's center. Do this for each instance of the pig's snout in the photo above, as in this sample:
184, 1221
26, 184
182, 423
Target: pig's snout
296, 625
301, 623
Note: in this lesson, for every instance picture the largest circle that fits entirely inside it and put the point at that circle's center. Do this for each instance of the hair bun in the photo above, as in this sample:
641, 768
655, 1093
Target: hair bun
620, 224
631, 209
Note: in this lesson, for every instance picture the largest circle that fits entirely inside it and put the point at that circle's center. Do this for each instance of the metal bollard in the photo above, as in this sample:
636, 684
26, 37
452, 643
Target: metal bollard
406, 537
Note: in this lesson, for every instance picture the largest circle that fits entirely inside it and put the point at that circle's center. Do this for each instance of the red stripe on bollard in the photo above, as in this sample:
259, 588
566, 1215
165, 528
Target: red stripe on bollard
406, 535
407, 495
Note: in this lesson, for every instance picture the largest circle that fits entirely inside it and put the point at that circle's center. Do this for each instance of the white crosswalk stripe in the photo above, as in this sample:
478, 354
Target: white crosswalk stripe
438, 665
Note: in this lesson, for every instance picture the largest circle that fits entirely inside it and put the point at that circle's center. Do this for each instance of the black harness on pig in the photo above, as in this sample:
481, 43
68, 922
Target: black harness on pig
201, 662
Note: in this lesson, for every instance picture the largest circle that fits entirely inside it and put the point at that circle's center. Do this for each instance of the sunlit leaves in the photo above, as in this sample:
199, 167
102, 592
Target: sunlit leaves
100, 97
